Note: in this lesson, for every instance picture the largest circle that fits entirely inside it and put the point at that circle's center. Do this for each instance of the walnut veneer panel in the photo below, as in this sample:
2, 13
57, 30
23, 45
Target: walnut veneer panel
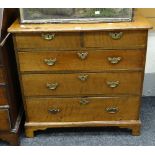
129, 39
70, 84
37, 41
96, 60
73, 109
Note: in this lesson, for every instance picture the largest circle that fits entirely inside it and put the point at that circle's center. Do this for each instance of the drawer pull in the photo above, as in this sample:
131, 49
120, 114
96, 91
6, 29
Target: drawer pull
82, 55
113, 84
112, 110
83, 77
48, 36
114, 60
54, 111
50, 62
116, 35
52, 86
84, 101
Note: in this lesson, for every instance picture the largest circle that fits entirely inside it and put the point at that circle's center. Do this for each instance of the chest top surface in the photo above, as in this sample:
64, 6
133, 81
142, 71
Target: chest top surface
138, 22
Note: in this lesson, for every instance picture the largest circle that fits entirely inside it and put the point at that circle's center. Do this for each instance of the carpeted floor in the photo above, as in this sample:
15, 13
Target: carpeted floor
98, 136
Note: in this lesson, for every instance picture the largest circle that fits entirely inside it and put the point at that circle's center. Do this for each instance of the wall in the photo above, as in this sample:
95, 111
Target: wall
149, 80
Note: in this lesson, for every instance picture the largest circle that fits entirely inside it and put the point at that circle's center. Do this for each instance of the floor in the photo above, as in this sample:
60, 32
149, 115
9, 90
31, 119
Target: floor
98, 136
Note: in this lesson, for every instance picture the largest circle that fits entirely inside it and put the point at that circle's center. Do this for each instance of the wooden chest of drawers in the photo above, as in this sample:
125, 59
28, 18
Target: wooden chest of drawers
78, 75
10, 99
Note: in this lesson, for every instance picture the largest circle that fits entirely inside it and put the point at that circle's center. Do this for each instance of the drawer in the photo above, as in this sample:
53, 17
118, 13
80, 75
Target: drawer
3, 96
2, 76
81, 60
4, 119
116, 39
82, 83
82, 109
48, 41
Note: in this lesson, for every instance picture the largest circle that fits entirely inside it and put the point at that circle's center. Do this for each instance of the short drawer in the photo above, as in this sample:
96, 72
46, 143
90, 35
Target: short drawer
4, 119
94, 60
82, 83
82, 109
3, 96
48, 41
130, 39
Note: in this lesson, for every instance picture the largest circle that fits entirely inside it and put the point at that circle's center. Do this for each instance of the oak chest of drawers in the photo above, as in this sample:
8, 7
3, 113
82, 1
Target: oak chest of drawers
81, 75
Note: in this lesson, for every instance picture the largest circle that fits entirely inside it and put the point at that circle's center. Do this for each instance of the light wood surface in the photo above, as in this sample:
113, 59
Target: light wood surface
149, 13
138, 23
70, 79
95, 60
71, 110
129, 40
70, 84
68, 41
134, 125
36, 41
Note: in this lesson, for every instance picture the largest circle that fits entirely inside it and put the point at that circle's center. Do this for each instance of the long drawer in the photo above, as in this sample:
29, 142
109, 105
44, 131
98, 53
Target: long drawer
97, 60
116, 39
82, 83
82, 109
4, 119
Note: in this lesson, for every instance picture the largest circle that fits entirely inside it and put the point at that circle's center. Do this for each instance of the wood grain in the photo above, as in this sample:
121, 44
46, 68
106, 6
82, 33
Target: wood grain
4, 119
96, 60
129, 40
139, 23
2, 76
36, 41
72, 111
3, 96
134, 125
70, 84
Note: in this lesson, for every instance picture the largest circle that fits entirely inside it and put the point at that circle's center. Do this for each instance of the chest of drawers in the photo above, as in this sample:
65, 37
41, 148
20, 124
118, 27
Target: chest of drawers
81, 75
10, 98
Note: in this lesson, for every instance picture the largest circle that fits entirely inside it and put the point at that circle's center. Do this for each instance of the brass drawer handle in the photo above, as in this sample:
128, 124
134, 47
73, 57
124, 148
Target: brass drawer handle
54, 111
83, 77
82, 55
84, 101
116, 35
48, 36
113, 84
112, 110
114, 60
50, 62
52, 86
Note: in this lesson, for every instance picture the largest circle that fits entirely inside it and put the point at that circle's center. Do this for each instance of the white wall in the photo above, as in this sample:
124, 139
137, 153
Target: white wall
150, 59
149, 80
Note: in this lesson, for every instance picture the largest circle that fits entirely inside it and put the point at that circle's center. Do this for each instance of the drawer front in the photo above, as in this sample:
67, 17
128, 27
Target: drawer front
3, 96
4, 119
116, 39
84, 83
43, 41
81, 60
82, 109
2, 76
